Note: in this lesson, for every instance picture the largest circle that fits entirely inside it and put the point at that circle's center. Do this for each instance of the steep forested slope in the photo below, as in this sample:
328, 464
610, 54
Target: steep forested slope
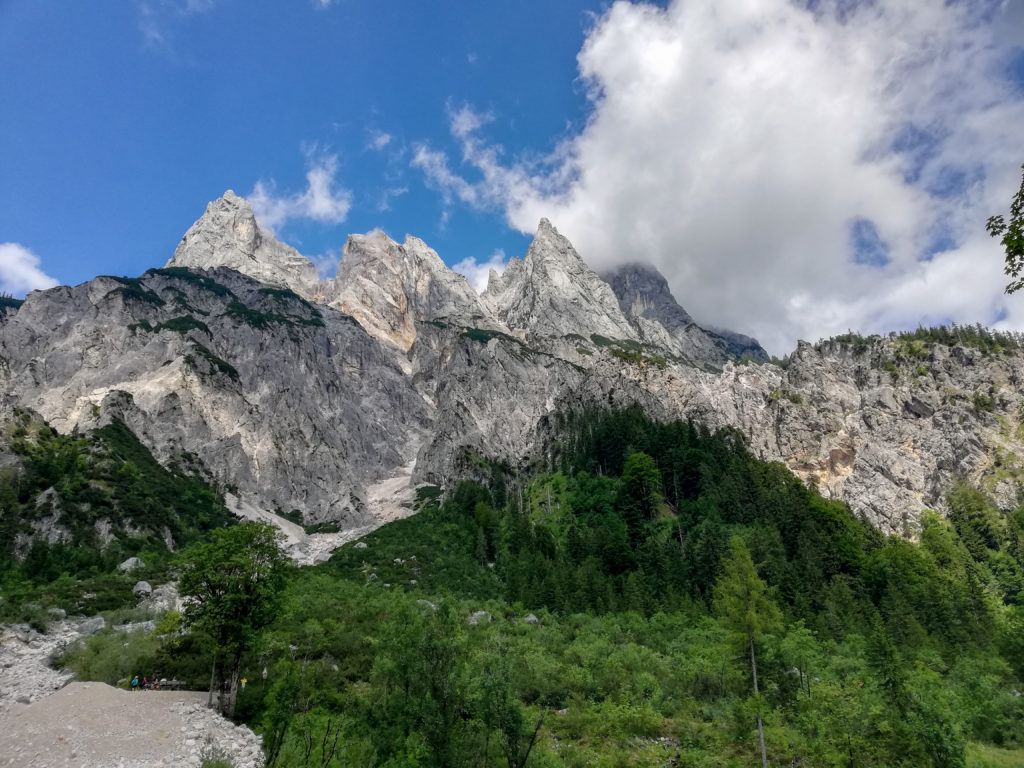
587, 609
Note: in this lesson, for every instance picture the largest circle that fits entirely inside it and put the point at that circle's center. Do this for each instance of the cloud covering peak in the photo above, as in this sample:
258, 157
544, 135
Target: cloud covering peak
793, 169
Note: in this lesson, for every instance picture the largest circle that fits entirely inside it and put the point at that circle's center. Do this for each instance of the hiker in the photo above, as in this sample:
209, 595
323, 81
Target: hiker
135, 683
145, 683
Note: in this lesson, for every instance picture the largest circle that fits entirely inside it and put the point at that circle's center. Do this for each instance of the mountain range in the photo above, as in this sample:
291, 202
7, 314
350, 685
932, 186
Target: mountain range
330, 399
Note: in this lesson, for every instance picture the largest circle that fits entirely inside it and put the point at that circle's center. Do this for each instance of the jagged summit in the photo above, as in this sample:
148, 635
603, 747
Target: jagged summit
644, 295
552, 292
548, 296
228, 235
388, 287
643, 291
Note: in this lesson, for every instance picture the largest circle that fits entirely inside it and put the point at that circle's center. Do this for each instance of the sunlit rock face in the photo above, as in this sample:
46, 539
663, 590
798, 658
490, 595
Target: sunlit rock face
297, 393
228, 235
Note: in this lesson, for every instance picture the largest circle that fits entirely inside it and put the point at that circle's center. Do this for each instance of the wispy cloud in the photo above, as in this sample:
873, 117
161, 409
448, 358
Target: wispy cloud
477, 272
20, 271
327, 262
384, 203
736, 146
157, 18
321, 201
378, 140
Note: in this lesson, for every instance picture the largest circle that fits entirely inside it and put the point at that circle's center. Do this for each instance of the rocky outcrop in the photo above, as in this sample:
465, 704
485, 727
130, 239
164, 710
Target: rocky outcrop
295, 406
390, 287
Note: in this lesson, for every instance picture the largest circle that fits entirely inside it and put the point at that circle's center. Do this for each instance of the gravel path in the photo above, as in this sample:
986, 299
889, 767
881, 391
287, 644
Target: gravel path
48, 721
92, 725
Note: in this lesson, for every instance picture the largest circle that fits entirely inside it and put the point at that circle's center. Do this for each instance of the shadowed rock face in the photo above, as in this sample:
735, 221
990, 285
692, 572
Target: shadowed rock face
302, 393
643, 294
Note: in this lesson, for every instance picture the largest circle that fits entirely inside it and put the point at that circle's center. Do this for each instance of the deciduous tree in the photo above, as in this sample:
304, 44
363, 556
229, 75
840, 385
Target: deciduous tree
230, 585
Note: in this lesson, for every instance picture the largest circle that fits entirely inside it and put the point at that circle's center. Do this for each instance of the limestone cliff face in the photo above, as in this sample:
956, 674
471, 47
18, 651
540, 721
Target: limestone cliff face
303, 394
293, 405
389, 287
553, 293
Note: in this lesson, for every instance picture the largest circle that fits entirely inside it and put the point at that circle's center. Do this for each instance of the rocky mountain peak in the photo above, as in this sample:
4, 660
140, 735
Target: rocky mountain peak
645, 297
228, 235
388, 287
552, 292
643, 291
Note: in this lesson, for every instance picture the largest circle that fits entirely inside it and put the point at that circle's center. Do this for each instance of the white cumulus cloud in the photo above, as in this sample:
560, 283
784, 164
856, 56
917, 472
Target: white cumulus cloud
750, 150
20, 271
321, 201
477, 271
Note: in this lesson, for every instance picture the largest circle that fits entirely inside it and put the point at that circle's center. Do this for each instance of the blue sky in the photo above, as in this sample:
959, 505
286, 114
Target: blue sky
793, 169
123, 124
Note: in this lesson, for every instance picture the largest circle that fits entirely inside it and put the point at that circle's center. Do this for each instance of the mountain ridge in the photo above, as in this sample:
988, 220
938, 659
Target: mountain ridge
288, 398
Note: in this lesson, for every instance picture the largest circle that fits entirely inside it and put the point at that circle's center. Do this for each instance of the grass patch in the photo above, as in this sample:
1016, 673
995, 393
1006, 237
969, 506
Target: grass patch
187, 275
221, 366
182, 324
132, 289
988, 756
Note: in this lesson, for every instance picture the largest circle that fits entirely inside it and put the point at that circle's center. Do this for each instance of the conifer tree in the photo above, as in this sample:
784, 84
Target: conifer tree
747, 609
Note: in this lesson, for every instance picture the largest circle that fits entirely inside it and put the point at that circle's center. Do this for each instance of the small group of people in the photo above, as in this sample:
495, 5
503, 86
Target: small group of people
146, 684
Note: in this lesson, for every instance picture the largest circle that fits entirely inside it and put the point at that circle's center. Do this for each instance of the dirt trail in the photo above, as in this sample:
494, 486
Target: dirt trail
92, 725
47, 721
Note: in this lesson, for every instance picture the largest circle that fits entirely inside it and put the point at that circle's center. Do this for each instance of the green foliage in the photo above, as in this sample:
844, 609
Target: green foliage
132, 289
628, 350
230, 584
647, 554
182, 324
1011, 237
112, 657
216, 363
9, 302
80, 485
914, 345
260, 319
188, 276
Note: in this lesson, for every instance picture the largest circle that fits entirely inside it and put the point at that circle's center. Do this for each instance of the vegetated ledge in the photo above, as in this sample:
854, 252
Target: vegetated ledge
260, 320
9, 302
181, 324
221, 366
132, 289
629, 350
190, 276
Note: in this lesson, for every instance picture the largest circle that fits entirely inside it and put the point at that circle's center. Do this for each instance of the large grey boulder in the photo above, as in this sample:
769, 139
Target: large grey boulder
131, 564
142, 589
92, 626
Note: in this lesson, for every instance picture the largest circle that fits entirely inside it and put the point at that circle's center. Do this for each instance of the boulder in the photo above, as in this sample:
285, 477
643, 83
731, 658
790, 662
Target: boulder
92, 626
131, 564
142, 589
